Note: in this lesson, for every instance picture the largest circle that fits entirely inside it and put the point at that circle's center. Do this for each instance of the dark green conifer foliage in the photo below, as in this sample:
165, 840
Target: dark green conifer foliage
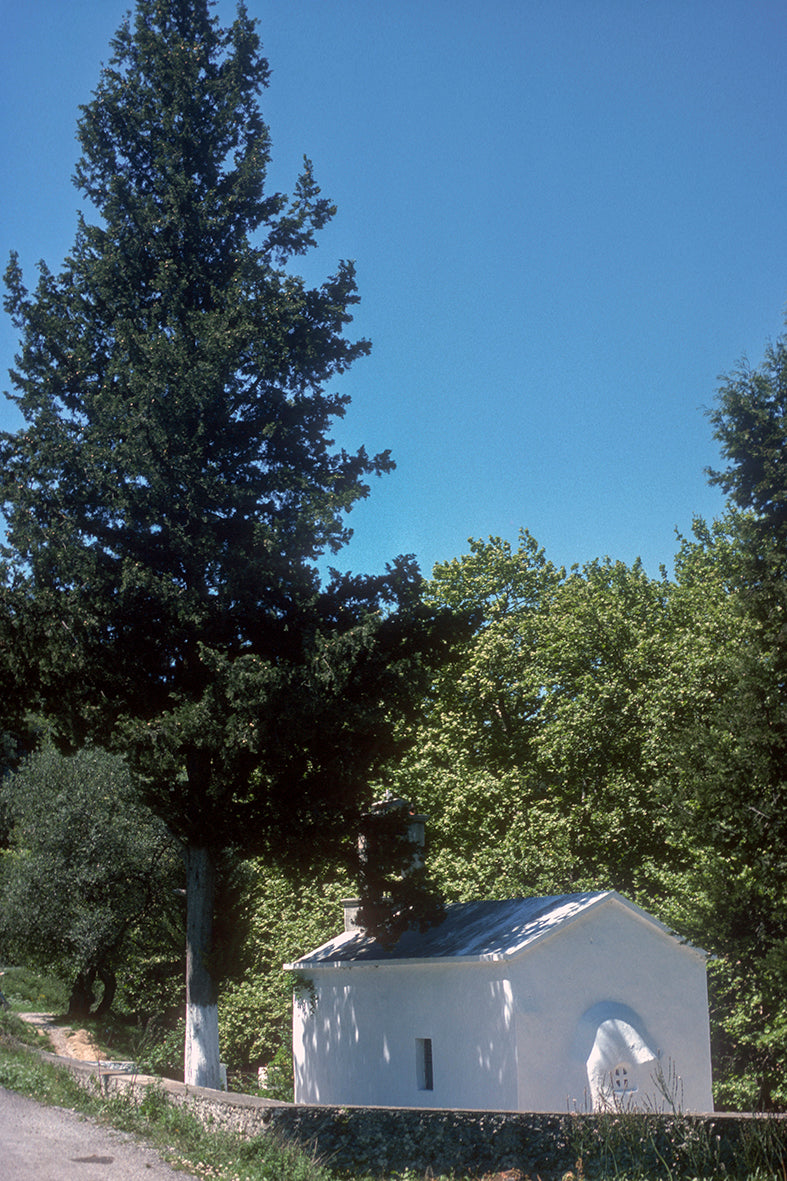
175, 480
396, 892
747, 799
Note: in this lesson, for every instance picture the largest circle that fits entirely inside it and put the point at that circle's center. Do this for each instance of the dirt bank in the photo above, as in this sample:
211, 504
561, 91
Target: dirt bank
65, 1040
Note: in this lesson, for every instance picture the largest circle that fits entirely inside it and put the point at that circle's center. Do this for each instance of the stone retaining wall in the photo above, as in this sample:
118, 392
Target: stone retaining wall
381, 1140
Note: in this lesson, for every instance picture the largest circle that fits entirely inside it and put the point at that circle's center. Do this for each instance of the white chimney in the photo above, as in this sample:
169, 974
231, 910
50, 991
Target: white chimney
351, 906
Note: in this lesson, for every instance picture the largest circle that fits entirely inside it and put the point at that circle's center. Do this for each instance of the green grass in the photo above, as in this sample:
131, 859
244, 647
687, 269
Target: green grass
29, 992
14, 1027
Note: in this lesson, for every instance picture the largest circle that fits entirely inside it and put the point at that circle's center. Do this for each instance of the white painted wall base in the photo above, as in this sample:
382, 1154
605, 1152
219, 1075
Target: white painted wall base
202, 1067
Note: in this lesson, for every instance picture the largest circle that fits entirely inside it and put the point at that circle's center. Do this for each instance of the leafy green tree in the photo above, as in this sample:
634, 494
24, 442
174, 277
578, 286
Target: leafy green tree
283, 914
538, 759
175, 484
470, 768
88, 881
709, 885
488, 691
601, 657
750, 424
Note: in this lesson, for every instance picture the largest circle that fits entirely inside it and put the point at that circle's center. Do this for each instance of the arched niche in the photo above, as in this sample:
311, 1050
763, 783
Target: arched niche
618, 1054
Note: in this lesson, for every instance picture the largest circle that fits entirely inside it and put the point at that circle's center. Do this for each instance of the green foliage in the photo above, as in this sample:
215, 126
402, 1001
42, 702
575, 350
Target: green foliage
160, 1049
486, 696
280, 1081
750, 424
284, 914
639, 1147
22, 1071
28, 991
744, 793
605, 729
12, 1026
88, 881
542, 751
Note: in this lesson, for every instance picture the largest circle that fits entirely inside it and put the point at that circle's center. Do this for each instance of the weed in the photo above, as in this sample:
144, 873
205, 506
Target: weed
159, 1050
12, 1026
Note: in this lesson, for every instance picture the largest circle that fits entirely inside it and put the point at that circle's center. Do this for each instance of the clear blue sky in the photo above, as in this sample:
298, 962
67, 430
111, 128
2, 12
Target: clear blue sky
568, 218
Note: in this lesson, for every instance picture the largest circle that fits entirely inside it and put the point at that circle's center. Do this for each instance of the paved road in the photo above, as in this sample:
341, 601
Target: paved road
40, 1143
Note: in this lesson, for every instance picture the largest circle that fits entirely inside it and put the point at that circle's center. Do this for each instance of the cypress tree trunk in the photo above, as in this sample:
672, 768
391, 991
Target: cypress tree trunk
201, 1067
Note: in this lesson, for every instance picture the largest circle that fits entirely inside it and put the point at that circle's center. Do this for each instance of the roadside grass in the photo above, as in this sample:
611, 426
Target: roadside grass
12, 1026
173, 1131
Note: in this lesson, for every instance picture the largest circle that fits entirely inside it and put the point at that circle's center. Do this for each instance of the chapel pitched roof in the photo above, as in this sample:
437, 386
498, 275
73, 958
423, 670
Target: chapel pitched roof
470, 930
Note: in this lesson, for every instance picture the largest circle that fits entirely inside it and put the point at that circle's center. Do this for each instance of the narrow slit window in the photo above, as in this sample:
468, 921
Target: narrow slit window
423, 1063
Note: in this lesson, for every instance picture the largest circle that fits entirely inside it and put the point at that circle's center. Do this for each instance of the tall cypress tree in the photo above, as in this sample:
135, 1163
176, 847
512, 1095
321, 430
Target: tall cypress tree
175, 484
747, 800
750, 424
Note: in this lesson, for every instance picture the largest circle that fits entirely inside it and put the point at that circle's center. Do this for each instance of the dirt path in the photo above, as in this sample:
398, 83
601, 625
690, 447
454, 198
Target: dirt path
66, 1041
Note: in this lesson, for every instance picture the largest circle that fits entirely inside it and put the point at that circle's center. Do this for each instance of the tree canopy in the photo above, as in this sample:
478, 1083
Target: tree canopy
541, 739
175, 482
88, 881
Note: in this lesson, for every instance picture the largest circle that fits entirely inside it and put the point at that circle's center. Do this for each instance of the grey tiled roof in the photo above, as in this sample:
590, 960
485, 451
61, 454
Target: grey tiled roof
470, 930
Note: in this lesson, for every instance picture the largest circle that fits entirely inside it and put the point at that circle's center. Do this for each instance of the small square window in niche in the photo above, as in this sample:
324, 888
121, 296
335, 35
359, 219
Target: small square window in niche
622, 1082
